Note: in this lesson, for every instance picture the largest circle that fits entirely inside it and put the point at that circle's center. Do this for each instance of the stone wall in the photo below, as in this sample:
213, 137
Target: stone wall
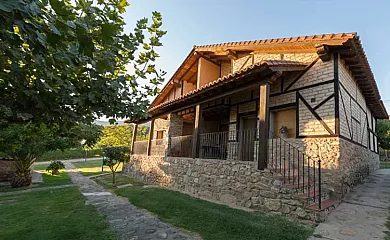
235, 183
6, 169
356, 162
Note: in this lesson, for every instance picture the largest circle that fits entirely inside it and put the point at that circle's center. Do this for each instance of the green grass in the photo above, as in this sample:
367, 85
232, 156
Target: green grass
93, 167
70, 154
48, 180
55, 214
121, 179
213, 221
385, 164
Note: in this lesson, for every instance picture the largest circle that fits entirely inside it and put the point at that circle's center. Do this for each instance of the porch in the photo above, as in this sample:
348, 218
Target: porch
229, 130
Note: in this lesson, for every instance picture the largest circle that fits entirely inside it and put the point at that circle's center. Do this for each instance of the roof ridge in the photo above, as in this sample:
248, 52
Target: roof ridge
314, 37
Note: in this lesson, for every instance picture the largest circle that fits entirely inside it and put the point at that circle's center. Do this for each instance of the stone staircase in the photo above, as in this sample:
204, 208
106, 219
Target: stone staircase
308, 192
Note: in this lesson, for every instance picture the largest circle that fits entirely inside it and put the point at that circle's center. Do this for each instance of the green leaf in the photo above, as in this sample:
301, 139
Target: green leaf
54, 29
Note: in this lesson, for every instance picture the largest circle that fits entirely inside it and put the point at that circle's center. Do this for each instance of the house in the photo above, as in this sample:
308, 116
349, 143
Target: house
283, 125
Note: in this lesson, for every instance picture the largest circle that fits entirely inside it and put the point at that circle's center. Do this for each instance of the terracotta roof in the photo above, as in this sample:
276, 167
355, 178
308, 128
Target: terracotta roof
312, 38
335, 41
232, 76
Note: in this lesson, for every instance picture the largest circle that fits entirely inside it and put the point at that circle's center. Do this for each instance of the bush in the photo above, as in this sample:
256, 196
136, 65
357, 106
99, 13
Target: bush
54, 166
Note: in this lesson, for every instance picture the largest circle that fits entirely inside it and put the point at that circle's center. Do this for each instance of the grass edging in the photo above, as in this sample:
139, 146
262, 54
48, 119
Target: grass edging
210, 220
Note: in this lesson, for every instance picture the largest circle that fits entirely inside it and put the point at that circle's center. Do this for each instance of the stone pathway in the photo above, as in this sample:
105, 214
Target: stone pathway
36, 177
362, 214
128, 221
38, 189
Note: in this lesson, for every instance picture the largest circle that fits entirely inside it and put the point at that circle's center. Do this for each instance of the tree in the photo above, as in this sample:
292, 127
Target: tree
116, 135
114, 156
89, 134
65, 62
25, 143
120, 135
383, 131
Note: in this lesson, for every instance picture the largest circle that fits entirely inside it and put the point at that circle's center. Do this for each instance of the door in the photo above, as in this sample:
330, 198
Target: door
247, 134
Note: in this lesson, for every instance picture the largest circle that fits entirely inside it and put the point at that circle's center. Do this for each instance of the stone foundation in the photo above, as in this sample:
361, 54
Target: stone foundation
356, 163
235, 183
6, 169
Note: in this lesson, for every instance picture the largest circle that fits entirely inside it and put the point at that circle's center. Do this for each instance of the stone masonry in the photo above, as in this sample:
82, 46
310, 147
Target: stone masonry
236, 183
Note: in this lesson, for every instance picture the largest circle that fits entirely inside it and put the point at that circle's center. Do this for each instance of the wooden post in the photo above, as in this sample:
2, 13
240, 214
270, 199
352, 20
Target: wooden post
135, 127
263, 126
150, 137
197, 126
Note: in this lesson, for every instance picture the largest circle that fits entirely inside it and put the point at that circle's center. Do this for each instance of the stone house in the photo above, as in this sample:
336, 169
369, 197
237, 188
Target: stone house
282, 125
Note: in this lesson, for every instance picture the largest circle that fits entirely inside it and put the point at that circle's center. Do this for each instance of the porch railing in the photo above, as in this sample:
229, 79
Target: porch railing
296, 169
180, 146
235, 145
140, 147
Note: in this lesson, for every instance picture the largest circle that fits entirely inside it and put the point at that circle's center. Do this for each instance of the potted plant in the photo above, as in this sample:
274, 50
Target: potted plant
283, 131
54, 167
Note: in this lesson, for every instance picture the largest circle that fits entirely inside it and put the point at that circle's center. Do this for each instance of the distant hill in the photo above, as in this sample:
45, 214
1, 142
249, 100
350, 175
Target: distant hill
107, 123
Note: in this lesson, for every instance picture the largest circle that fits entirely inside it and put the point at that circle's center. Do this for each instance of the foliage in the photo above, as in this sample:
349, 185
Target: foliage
114, 156
120, 135
383, 131
87, 134
52, 214
73, 153
54, 166
25, 143
66, 61
283, 129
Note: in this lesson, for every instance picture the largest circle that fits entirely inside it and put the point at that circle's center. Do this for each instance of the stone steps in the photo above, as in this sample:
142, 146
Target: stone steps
309, 199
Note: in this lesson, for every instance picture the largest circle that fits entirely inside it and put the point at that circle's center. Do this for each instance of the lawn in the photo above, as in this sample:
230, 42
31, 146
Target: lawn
48, 180
106, 181
212, 221
384, 164
93, 167
53, 214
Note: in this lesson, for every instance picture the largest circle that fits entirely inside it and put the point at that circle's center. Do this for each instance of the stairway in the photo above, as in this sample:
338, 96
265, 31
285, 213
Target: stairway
300, 176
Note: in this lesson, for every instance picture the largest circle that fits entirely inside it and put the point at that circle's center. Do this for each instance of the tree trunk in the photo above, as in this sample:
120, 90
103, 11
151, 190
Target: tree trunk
113, 178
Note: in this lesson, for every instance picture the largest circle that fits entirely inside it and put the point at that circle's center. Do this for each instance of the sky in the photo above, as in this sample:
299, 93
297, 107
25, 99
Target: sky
190, 23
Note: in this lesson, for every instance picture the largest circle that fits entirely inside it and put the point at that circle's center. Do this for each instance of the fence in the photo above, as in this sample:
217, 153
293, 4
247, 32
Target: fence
180, 146
140, 147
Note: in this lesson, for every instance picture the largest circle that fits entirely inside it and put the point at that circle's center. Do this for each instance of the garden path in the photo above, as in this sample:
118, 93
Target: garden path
363, 213
128, 221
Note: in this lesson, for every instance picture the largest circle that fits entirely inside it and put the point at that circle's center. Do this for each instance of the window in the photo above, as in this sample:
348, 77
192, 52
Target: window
159, 137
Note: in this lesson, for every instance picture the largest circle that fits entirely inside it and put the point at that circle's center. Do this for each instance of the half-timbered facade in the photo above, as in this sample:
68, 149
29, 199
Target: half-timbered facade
242, 122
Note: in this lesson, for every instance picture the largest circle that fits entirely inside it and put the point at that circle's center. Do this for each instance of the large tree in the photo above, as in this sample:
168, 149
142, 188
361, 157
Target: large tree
383, 131
65, 61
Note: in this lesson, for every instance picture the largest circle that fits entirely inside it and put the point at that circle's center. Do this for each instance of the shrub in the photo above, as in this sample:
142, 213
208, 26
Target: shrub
54, 167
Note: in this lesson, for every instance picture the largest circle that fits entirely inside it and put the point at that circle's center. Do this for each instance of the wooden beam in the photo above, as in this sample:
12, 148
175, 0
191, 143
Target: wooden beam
323, 52
176, 85
263, 126
197, 125
231, 54
133, 137
151, 129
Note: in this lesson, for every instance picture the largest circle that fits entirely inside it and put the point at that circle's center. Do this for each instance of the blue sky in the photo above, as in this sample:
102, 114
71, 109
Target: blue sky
203, 22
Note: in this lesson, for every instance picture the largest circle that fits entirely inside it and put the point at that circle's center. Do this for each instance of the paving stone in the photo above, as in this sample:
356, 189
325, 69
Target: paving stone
363, 213
125, 185
127, 220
